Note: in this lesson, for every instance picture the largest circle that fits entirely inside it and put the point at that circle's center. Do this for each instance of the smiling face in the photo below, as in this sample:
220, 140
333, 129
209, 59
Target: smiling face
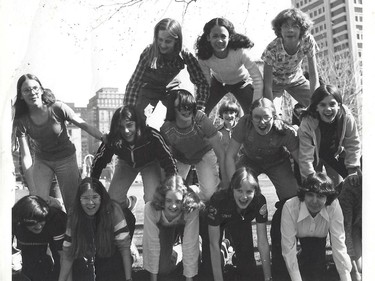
219, 40
183, 113
328, 109
290, 31
166, 42
262, 119
244, 195
31, 92
90, 202
36, 228
128, 130
173, 204
229, 118
315, 202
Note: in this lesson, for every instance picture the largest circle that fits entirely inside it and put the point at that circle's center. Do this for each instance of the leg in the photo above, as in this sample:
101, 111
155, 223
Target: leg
42, 174
244, 95
300, 91
208, 175
148, 97
151, 177
68, 177
183, 169
217, 92
123, 178
167, 261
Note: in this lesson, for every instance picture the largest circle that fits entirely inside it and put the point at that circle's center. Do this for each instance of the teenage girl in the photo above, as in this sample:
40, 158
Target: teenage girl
97, 238
173, 214
284, 55
224, 58
158, 67
140, 149
40, 117
38, 227
234, 209
328, 135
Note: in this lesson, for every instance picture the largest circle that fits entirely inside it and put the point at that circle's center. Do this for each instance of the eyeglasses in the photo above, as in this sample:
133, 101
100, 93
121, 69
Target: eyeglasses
184, 107
29, 90
264, 118
95, 199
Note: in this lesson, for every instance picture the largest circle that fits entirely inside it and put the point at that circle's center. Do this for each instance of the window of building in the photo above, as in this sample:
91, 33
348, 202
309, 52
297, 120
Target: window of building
360, 54
297, 5
315, 13
360, 2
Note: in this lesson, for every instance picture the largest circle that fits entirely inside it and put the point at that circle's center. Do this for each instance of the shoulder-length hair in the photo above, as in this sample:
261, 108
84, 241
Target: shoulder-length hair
319, 94
128, 113
185, 98
302, 19
29, 210
244, 174
85, 240
227, 106
278, 125
173, 27
190, 201
318, 183
204, 49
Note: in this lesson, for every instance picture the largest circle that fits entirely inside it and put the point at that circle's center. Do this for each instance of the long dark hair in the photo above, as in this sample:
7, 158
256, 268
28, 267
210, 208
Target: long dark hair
92, 236
130, 113
185, 98
204, 49
319, 94
29, 210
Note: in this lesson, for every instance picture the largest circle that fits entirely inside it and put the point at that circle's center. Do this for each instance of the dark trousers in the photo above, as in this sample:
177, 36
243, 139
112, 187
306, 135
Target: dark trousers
312, 258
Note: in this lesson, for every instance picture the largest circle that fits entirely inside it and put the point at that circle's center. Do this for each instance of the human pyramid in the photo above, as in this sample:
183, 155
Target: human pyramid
89, 237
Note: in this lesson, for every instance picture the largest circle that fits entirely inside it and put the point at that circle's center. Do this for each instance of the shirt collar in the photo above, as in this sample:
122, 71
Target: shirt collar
304, 213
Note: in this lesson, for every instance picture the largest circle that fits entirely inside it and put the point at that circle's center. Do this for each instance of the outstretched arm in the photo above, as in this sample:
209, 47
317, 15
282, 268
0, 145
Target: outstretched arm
91, 130
27, 163
267, 78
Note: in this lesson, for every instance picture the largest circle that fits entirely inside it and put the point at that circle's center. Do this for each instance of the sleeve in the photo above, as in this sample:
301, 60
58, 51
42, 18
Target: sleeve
20, 128
291, 139
151, 243
346, 200
352, 144
135, 82
269, 54
197, 78
289, 242
255, 74
164, 154
206, 125
213, 211
307, 149
261, 215
239, 131
58, 226
66, 112
121, 229
206, 70
337, 235
312, 46
102, 157
190, 244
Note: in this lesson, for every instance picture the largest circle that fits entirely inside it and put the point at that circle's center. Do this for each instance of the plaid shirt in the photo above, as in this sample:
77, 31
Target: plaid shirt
143, 75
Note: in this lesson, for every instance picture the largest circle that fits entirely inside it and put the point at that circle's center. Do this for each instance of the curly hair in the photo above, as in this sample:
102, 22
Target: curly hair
299, 17
190, 201
244, 174
228, 106
30, 210
128, 113
319, 94
185, 98
318, 183
86, 241
203, 47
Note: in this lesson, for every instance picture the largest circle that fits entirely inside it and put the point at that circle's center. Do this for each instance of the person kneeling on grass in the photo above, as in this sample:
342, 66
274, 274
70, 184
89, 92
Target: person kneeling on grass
172, 214
234, 209
309, 217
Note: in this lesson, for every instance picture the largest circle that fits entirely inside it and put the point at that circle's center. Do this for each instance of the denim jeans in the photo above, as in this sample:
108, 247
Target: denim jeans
207, 173
67, 174
125, 175
299, 90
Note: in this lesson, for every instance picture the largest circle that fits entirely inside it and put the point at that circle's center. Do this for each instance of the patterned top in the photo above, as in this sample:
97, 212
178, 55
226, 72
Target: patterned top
162, 73
287, 68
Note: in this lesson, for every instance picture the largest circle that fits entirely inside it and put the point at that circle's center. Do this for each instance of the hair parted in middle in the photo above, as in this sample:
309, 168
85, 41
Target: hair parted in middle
190, 201
173, 27
185, 98
244, 174
294, 14
204, 49
318, 183
86, 241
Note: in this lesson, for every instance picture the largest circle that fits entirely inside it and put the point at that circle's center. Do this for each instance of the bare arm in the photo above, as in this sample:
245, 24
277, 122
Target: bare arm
264, 250
79, 122
66, 264
126, 260
220, 154
267, 77
313, 74
231, 153
214, 234
27, 164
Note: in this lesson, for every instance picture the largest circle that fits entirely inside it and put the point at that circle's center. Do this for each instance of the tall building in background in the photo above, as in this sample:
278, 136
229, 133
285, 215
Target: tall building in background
338, 28
99, 112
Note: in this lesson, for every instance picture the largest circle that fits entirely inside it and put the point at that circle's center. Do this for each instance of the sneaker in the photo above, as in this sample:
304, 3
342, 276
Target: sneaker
133, 200
224, 251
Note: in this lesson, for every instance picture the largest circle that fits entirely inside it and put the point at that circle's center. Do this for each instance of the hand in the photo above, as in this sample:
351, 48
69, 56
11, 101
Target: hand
354, 176
53, 202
